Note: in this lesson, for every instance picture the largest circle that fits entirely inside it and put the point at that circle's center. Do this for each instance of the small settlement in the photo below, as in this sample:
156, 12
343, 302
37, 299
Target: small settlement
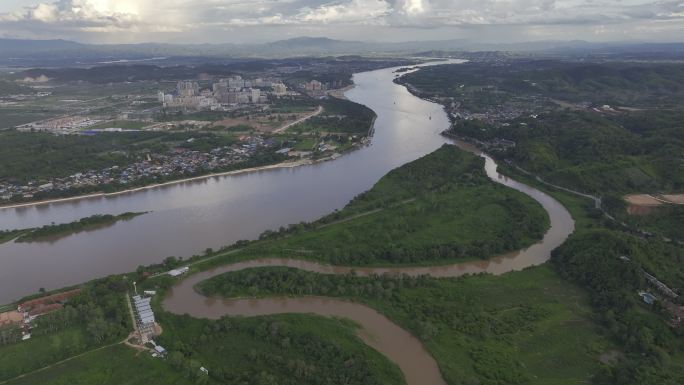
27, 312
146, 327
669, 300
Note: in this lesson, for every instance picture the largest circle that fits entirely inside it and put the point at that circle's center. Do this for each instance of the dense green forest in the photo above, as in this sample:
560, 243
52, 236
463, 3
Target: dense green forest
287, 349
565, 135
596, 153
439, 208
521, 328
29, 156
647, 84
26, 156
653, 351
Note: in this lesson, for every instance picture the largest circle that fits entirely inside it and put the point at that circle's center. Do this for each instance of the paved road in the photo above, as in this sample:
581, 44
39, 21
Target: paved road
285, 127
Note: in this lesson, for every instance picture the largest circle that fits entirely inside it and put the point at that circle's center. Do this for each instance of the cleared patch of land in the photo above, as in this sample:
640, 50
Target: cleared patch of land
677, 199
642, 200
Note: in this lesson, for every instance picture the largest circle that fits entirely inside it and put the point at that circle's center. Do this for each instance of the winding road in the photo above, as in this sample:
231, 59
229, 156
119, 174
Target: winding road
376, 330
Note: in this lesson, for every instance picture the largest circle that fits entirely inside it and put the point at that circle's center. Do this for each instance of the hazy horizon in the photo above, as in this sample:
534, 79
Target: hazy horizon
240, 21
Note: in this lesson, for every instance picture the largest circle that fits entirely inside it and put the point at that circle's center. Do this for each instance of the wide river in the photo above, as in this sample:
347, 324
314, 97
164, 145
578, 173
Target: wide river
187, 218
376, 330
191, 216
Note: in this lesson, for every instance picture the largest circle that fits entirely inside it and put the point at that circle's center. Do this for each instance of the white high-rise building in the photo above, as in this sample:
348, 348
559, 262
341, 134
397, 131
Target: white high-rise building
188, 88
256, 94
236, 82
279, 89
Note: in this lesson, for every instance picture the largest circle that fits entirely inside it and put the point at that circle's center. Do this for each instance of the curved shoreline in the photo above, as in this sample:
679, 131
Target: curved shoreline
377, 331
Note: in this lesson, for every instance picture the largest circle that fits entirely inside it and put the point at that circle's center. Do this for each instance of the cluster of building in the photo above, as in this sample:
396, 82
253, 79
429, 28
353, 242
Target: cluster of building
19, 99
28, 311
180, 161
496, 114
317, 89
223, 93
144, 318
669, 300
496, 144
64, 124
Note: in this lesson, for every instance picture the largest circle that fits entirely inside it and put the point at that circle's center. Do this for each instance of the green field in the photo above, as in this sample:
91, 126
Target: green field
438, 209
114, 365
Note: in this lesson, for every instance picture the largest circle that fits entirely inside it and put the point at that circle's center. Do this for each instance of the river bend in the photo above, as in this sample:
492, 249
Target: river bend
376, 330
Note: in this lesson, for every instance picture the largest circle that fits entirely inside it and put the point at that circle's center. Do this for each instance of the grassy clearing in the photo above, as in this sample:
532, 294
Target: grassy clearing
450, 211
115, 365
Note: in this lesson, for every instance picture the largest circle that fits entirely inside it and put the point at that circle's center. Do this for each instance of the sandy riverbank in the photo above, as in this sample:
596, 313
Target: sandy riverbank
156, 185
339, 93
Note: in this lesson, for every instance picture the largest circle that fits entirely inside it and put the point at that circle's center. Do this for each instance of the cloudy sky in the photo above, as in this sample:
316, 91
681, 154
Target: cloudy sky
241, 21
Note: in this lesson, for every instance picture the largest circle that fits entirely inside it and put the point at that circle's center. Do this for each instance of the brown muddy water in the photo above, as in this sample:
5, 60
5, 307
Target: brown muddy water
376, 330
398, 345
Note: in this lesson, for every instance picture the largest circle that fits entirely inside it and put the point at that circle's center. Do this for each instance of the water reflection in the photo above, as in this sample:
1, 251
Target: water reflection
189, 217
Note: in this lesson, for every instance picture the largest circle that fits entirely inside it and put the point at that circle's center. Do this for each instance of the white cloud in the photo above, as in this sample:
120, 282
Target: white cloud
354, 11
86, 14
151, 17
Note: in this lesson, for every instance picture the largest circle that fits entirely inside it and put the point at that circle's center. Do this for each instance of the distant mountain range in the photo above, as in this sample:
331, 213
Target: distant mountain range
57, 52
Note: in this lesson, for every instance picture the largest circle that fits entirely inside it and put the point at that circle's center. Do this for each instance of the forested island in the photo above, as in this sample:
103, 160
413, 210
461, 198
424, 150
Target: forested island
59, 230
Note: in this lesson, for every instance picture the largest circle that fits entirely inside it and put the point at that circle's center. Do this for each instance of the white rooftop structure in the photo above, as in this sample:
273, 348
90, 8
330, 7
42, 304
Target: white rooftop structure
177, 272
143, 309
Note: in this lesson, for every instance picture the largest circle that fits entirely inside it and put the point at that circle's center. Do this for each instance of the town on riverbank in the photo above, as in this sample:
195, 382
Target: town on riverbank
174, 129
453, 270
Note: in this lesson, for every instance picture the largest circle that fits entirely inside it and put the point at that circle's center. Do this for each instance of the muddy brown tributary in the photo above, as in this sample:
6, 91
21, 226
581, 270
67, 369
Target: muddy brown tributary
398, 345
